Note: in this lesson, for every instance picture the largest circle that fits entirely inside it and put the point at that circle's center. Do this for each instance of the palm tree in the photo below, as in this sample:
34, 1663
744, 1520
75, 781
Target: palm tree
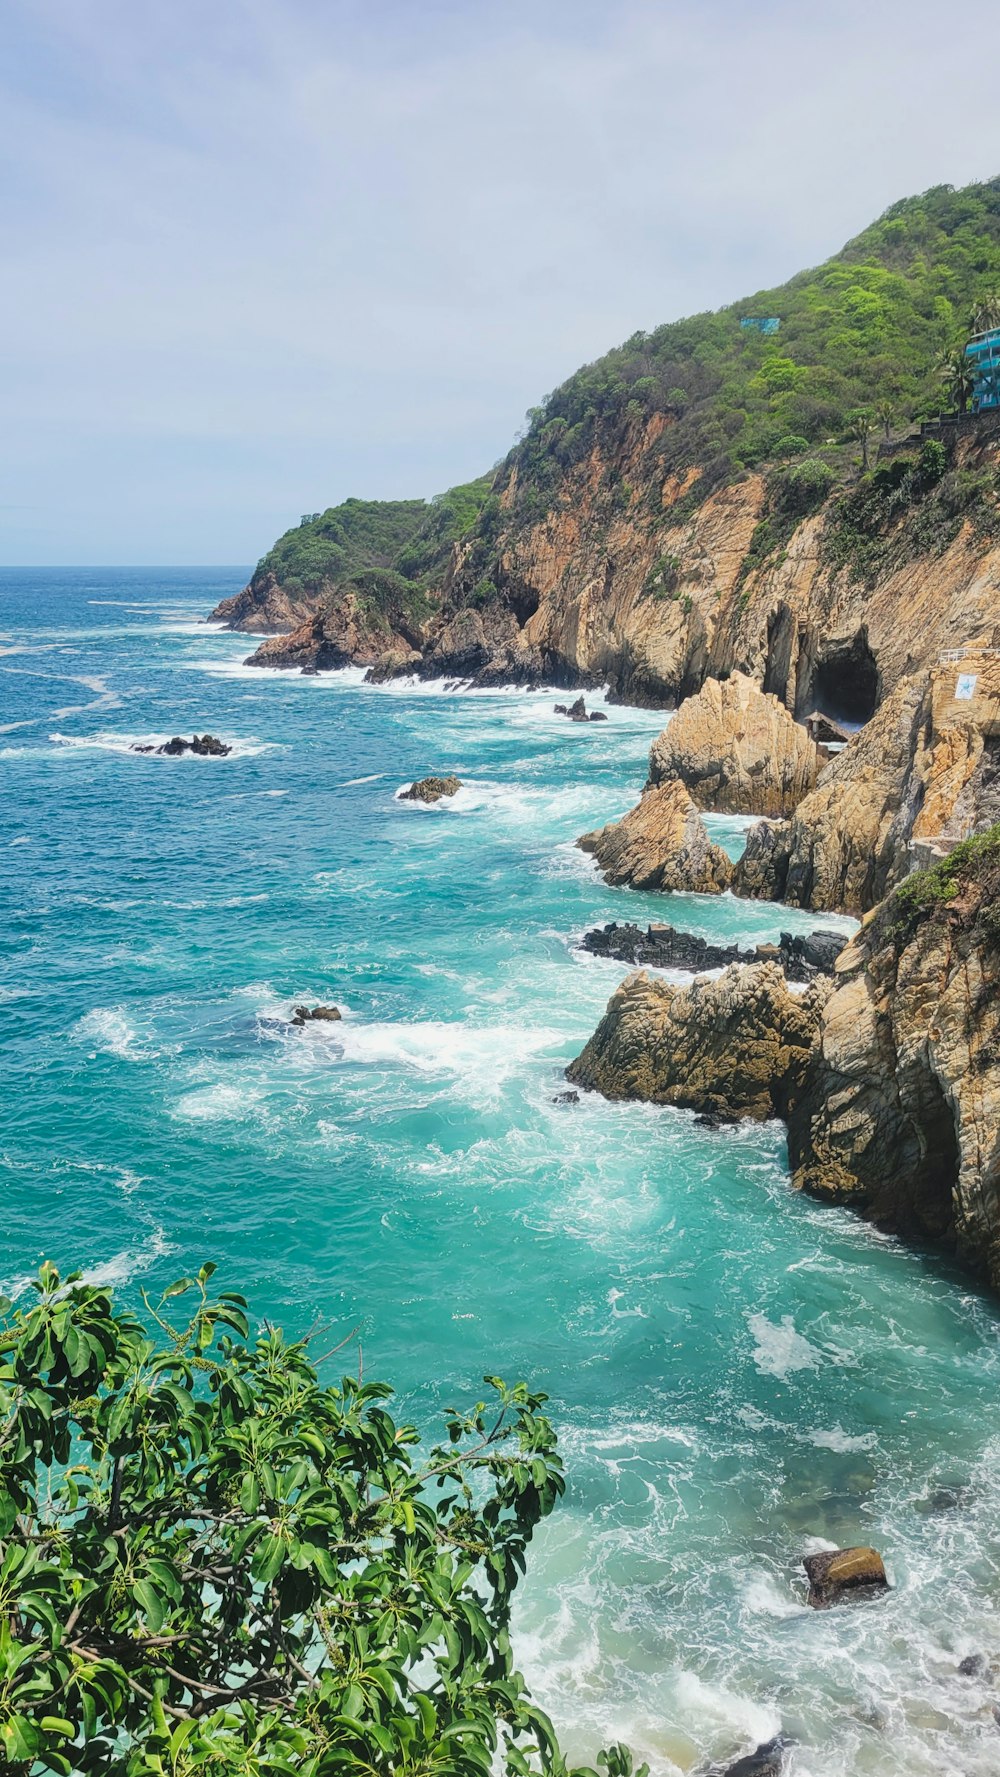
986, 312
955, 372
862, 427
885, 415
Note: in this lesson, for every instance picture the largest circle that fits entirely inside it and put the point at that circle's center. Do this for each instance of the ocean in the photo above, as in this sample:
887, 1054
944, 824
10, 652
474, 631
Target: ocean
737, 1375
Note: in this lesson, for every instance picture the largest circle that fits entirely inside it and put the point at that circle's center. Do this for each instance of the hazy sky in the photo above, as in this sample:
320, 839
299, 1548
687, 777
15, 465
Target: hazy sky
262, 254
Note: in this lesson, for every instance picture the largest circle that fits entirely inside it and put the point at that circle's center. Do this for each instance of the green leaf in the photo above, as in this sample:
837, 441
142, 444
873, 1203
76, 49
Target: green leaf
151, 1603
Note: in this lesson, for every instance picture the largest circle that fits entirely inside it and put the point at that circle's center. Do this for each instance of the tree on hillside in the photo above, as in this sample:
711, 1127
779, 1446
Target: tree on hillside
955, 373
985, 312
862, 427
213, 1563
885, 413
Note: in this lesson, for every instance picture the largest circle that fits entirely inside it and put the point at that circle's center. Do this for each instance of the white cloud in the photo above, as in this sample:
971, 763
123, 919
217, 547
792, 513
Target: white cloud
266, 253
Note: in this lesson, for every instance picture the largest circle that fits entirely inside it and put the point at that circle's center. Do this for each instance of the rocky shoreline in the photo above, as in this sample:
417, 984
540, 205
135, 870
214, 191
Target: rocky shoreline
800, 958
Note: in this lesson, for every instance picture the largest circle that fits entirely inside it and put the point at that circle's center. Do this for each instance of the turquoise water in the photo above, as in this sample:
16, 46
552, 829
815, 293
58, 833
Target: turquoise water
736, 1373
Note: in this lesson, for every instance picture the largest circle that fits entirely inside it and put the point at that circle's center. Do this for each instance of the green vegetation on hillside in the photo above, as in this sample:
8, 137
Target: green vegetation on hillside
910, 506
863, 333
965, 885
211, 1562
388, 550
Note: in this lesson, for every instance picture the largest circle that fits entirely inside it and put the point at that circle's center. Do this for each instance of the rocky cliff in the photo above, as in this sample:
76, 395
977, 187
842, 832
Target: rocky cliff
888, 1076
923, 773
737, 750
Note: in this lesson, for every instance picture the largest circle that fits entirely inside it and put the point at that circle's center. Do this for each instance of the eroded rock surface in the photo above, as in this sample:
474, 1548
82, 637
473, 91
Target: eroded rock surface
924, 772
431, 789
836, 1575
737, 750
204, 746
663, 947
736, 1046
660, 844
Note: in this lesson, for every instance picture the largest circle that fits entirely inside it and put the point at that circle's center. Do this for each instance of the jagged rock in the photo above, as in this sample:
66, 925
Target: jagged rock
431, 789
206, 746
767, 1761
660, 844
322, 1014
737, 750
923, 773
900, 1113
838, 1574
974, 1666
663, 947
566, 1098
577, 712
395, 663
734, 1046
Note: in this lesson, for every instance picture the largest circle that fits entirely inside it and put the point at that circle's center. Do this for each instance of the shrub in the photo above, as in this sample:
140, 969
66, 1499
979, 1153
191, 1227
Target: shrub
214, 1563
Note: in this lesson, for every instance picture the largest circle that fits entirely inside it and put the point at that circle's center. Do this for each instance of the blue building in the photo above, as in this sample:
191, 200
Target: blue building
983, 354
761, 323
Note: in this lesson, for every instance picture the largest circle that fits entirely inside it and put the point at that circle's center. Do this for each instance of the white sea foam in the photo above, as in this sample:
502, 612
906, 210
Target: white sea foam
780, 1350
111, 1032
373, 778
119, 1270
482, 1057
222, 1102
22, 839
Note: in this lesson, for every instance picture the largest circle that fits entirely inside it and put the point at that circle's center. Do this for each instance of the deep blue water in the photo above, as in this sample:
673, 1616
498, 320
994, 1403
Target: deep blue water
735, 1372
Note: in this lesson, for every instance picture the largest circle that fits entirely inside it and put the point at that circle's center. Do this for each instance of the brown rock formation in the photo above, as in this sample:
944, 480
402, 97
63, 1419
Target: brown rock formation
431, 789
838, 1574
660, 844
900, 1113
346, 632
735, 1046
266, 608
737, 750
922, 773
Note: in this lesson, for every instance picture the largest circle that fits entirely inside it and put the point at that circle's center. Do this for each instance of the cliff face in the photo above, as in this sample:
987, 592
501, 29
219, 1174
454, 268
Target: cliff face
900, 1113
661, 844
923, 773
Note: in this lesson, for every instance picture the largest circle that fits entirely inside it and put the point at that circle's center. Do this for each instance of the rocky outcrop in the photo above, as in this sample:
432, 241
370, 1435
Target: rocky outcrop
730, 1047
431, 789
922, 773
577, 711
347, 631
660, 844
836, 1575
316, 1014
205, 746
899, 1116
737, 750
662, 947
266, 607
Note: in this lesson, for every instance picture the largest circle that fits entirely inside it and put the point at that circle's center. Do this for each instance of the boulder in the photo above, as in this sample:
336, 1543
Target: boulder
660, 844
837, 1575
730, 1047
577, 712
767, 1761
737, 750
431, 789
322, 1014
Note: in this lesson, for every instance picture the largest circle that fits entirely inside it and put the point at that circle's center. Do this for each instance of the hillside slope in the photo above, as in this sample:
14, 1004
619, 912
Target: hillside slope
689, 504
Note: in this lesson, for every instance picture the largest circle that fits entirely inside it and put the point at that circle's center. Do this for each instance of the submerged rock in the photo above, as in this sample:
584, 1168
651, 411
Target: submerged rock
767, 1761
324, 1014
566, 1098
835, 1575
737, 750
664, 947
736, 1046
431, 789
974, 1666
205, 745
660, 844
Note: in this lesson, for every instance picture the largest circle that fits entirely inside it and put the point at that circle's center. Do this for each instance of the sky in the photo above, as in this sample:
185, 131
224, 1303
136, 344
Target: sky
259, 255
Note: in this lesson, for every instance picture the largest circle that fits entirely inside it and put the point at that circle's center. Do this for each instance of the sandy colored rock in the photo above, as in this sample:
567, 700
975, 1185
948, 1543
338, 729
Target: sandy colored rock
660, 844
924, 772
737, 750
736, 1046
838, 1574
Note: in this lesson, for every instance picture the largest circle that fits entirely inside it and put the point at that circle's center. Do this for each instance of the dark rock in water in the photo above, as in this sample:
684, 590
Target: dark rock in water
310, 672
767, 1761
663, 947
839, 1574
577, 712
945, 1499
974, 1666
430, 789
322, 1014
598, 716
711, 1120
566, 1098
207, 746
